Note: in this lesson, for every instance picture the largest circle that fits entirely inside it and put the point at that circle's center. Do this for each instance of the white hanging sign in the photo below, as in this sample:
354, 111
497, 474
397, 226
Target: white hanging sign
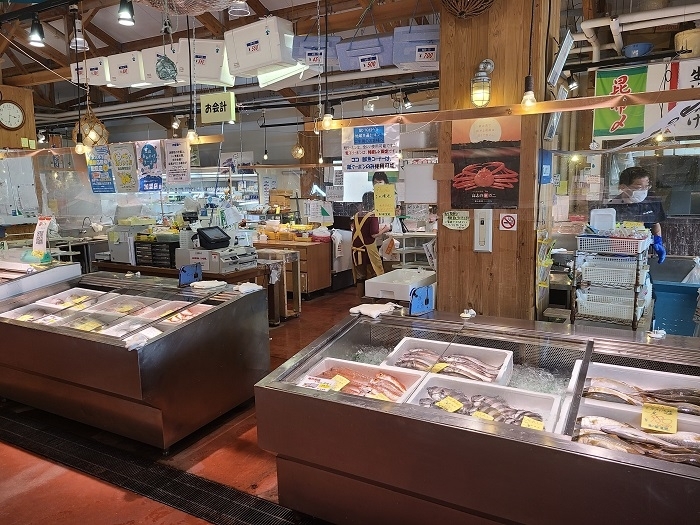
369, 62
177, 161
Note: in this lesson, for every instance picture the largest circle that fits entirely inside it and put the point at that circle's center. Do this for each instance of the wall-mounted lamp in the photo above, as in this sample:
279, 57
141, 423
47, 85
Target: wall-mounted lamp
571, 82
369, 103
176, 121
407, 104
481, 83
529, 99
41, 137
125, 15
36, 34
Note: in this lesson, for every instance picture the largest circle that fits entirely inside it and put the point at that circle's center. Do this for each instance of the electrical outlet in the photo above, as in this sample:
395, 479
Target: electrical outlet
483, 230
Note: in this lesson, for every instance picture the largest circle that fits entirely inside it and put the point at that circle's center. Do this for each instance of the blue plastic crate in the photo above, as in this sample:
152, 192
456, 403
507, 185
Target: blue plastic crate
417, 48
379, 48
304, 46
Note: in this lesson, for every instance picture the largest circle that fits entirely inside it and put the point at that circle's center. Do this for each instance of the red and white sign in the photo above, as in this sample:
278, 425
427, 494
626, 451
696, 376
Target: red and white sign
508, 222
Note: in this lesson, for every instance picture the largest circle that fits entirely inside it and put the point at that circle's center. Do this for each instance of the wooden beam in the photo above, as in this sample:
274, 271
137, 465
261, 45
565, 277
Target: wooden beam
161, 119
258, 8
40, 77
144, 43
113, 46
39, 99
589, 9
86, 5
212, 23
143, 93
87, 16
10, 34
13, 58
290, 95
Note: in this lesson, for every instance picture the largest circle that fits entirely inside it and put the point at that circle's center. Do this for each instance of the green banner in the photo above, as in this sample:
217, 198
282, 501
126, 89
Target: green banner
623, 120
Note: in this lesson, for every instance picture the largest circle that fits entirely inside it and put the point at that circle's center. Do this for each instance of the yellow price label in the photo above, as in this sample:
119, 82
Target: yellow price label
439, 367
660, 418
25, 317
340, 382
450, 404
89, 326
379, 396
124, 309
633, 225
324, 386
79, 307
482, 415
529, 422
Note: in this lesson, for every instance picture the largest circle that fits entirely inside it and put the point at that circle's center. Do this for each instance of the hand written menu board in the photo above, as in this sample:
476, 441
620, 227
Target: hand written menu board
385, 200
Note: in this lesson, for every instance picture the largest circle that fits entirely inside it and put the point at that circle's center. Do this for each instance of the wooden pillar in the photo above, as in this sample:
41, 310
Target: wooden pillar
23, 97
501, 283
309, 176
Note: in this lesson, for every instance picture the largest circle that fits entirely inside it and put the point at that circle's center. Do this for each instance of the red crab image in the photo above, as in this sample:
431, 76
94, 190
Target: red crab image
486, 175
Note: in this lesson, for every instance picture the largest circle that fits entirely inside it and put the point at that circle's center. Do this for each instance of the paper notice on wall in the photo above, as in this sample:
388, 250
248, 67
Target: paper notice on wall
177, 161
337, 177
334, 193
385, 200
150, 165
99, 165
125, 167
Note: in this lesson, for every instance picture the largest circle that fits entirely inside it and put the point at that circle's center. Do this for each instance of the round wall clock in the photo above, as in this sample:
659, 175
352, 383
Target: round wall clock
11, 115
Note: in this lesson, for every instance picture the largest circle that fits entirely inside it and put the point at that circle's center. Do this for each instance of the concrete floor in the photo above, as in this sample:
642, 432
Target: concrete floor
36, 491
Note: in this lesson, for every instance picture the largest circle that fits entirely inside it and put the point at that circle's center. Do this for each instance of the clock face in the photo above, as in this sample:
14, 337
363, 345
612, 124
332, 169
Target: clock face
11, 115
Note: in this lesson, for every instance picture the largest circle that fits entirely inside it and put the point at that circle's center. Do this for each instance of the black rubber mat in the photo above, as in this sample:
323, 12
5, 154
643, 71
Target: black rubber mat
197, 496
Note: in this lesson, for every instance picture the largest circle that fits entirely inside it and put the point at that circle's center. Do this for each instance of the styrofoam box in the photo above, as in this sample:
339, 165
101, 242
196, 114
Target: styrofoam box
397, 284
30, 313
547, 405
122, 304
209, 62
306, 50
65, 299
352, 50
93, 71
639, 377
408, 378
629, 414
126, 70
150, 58
260, 47
417, 47
491, 356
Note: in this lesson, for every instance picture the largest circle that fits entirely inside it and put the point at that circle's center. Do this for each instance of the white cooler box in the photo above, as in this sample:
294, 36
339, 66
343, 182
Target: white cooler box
398, 284
126, 70
260, 47
354, 54
93, 71
210, 63
306, 50
150, 58
417, 48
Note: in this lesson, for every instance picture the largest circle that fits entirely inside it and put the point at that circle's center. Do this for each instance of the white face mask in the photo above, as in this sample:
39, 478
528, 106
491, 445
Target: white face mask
638, 195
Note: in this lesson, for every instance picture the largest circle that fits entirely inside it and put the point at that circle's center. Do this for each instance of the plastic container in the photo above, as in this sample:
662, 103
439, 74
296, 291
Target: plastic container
126, 70
547, 405
613, 276
210, 63
608, 310
306, 50
398, 284
603, 219
73, 297
624, 246
260, 47
93, 71
417, 47
366, 52
123, 304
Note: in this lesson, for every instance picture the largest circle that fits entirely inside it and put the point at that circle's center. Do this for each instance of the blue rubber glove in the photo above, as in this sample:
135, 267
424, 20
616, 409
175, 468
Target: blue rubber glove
658, 247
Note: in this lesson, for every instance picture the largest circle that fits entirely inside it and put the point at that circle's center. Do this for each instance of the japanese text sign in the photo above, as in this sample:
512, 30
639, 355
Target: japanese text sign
217, 107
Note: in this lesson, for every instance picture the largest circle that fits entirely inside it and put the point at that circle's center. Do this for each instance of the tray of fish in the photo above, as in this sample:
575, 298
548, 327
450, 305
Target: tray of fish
618, 428
29, 313
122, 304
82, 297
502, 403
380, 382
478, 363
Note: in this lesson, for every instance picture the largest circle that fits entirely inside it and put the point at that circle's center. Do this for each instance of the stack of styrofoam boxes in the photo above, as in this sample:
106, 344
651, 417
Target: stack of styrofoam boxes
309, 50
636, 377
210, 64
417, 47
150, 59
126, 70
366, 53
261, 47
93, 71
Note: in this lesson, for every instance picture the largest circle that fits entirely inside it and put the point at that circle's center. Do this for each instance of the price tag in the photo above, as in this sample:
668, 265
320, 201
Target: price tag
252, 47
317, 383
426, 53
482, 415
379, 396
25, 317
529, 422
633, 225
439, 367
450, 404
314, 58
369, 62
660, 418
124, 309
89, 325
339, 382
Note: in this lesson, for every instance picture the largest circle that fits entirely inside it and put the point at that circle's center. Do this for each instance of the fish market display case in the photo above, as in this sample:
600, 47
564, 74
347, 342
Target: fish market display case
139, 357
441, 420
18, 276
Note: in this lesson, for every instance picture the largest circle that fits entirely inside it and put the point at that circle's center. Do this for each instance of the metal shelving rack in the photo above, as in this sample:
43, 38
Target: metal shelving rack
412, 251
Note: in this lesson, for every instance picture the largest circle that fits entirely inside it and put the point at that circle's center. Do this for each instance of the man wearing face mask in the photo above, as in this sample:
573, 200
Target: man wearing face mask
634, 204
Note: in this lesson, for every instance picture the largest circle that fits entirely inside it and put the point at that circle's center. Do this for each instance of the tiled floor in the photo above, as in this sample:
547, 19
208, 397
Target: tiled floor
36, 491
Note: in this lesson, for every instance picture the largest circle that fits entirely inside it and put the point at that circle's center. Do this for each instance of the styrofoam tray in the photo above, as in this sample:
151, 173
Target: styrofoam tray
88, 322
122, 304
124, 326
160, 309
185, 315
30, 313
639, 377
74, 297
491, 356
408, 378
547, 405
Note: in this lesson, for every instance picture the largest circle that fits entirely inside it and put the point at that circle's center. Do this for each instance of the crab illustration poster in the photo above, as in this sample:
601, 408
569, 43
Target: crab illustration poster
124, 166
150, 165
486, 156
99, 168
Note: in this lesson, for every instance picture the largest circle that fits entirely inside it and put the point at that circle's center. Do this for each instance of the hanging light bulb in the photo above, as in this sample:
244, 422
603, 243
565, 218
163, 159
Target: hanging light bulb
297, 151
176, 122
572, 83
316, 130
265, 156
659, 137
36, 34
407, 104
79, 146
191, 133
320, 159
125, 14
529, 99
327, 122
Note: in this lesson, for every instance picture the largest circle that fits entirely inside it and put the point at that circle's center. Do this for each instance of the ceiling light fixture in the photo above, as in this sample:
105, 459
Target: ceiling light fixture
125, 15
176, 122
78, 42
36, 34
369, 103
238, 9
572, 82
407, 104
481, 83
298, 149
529, 99
265, 156
191, 131
327, 122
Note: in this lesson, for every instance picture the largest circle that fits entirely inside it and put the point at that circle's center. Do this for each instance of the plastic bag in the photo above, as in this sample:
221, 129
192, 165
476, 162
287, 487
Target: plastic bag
693, 276
389, 249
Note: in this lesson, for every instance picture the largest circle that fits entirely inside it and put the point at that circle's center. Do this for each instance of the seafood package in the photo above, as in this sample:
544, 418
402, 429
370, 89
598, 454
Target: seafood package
122, 305
29, 313
497, 403
164, 310
618, 428
478, 363
73, 297
348, 377
88, 322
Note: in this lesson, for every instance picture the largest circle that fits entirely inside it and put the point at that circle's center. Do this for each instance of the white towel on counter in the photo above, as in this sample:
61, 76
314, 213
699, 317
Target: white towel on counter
374, 310
248, 287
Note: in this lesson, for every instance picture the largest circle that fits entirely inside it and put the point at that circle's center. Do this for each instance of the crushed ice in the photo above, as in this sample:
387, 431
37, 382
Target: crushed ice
536, 379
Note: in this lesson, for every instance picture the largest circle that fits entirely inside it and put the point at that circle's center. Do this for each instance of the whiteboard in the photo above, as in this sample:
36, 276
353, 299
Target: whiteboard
420, 185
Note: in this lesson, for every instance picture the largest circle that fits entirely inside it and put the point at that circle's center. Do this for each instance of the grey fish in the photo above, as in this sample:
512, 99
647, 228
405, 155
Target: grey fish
608, 394
415, 364
638, 436
598, 422
683, 408
612, 384
460, 358
675, 398
609, 442
426, 402
683, 392
689, 440
461, 370
690, 459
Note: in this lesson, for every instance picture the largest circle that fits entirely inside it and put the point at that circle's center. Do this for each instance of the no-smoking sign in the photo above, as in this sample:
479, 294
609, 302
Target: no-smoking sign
509, 222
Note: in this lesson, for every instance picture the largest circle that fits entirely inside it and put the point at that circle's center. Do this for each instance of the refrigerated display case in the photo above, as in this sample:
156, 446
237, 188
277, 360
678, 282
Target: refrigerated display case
503, 448
136, 356
18, 276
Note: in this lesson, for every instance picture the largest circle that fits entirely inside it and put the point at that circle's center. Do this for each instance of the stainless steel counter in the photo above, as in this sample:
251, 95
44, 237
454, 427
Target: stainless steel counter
350, 459
156, 392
